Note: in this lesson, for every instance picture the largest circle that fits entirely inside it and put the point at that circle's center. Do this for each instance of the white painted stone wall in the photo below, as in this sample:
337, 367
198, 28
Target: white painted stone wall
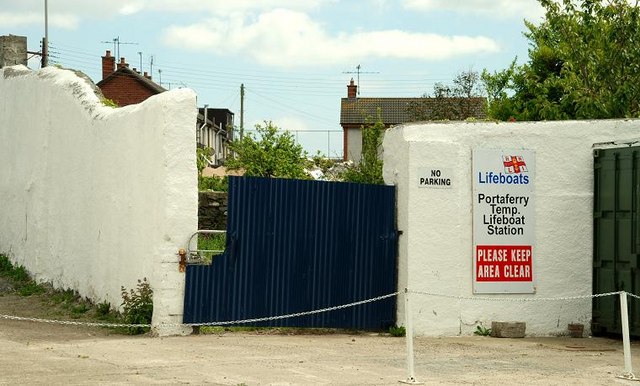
436, 247
95, 198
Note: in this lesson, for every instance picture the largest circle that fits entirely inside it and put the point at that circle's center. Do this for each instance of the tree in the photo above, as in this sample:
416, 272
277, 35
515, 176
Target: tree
271, 153
455, 102
369, 170
584, 63
203, 158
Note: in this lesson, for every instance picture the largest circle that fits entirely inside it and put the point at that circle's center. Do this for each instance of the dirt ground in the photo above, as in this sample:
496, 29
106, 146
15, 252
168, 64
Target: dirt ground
42, 353
33, 353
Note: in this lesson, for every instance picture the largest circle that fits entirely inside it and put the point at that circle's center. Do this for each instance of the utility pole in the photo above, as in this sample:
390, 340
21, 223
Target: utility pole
160, 76
241, 111
45, 41
140, 54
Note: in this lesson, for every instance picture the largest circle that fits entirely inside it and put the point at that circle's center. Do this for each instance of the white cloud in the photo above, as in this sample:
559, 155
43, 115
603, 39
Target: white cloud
529, 9
292, 124
224, 7
287, 38
18, 19
68, 13
131, 8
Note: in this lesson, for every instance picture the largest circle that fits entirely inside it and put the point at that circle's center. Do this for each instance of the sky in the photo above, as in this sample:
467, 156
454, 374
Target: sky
294, 57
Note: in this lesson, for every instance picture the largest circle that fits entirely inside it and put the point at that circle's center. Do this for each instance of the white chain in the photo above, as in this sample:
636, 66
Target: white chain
502, 299
231, 322
70, 322
293, 315
297, 314
633, 295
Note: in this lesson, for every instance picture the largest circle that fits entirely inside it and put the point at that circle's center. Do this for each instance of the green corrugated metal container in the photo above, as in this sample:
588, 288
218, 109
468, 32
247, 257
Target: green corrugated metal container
616, 246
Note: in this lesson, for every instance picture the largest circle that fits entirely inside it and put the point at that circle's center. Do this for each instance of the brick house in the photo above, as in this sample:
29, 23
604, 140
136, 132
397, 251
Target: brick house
127, 86
123, 85
355, 111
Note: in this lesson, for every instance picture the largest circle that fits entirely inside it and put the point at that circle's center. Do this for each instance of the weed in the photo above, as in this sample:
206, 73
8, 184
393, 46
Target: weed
30, 288
79, 310
397, 331
137, 306
103, 309
211, 242
482, 331
19, 274
109, 103
61, 303
64, 297
25, 286
5, 265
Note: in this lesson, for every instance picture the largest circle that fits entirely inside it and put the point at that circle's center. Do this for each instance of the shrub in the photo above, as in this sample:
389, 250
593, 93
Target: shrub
218, 184
137, 306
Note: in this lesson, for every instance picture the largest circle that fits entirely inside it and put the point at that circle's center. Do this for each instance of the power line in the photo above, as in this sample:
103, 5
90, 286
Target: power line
282, 105
359, 72
207, 78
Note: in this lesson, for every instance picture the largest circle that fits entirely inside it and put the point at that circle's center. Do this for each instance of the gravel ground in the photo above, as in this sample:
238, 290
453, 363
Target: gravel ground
35, 353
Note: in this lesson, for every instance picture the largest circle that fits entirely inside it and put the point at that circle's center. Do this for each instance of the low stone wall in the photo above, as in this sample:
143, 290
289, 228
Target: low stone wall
212, 210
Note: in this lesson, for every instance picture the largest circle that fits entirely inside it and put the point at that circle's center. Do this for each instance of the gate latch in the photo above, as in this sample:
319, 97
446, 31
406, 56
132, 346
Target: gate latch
182, 265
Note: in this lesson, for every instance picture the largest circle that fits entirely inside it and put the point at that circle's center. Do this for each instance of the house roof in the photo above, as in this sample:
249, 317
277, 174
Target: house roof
357, 110
126, 71
394, 111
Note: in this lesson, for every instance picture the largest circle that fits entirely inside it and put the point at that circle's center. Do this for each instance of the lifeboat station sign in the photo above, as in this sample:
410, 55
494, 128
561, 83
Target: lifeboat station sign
503, 221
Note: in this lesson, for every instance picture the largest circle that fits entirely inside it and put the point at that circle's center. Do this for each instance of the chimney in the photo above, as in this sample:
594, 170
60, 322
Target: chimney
352, 90
13, 50
146, 75
108, 64
122, 63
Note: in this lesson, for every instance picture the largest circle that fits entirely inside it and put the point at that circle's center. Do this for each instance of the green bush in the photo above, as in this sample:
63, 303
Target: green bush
218, 184
137, 306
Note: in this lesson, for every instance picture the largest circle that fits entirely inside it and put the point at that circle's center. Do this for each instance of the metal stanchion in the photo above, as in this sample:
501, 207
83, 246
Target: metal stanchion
626, 343
408, 320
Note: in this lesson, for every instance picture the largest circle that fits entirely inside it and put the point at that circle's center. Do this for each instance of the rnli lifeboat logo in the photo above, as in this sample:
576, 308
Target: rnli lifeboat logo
514, 164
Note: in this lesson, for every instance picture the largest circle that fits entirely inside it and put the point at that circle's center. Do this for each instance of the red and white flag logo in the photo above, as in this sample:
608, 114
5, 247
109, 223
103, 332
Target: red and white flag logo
514, 164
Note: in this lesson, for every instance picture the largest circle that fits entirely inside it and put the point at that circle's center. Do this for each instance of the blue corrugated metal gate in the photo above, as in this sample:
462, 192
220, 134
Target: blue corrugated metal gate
295, 246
